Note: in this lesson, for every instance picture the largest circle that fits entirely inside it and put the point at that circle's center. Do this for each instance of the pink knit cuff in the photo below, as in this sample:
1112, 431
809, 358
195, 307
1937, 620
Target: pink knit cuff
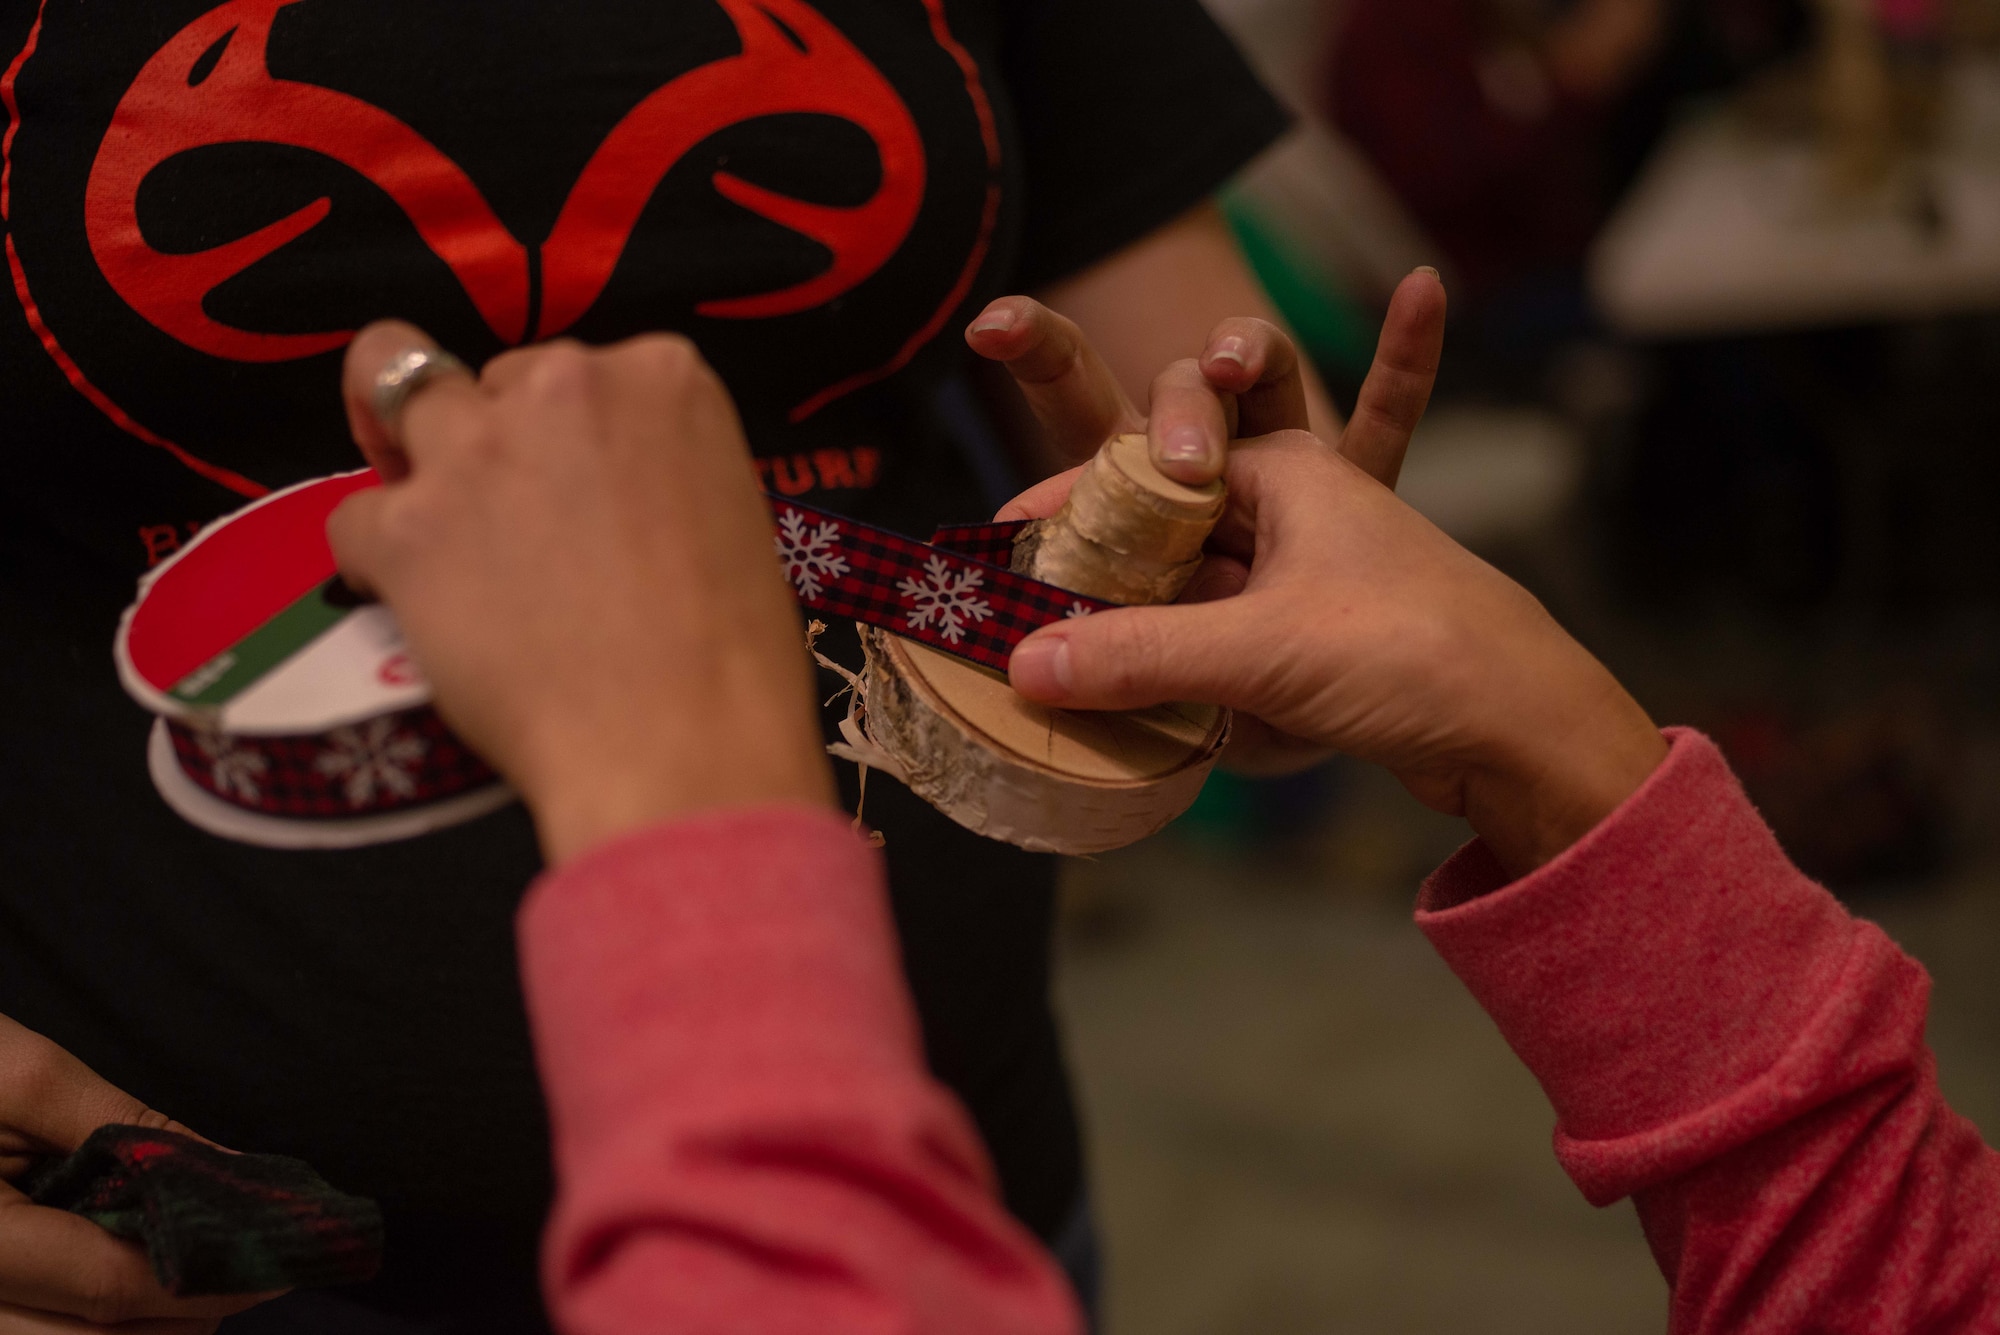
1660, 964
707, 955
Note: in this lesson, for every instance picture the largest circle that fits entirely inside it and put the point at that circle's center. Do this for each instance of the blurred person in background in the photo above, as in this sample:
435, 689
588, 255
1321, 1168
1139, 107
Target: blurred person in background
1508, 127
1486, 117
745, 1134
1754, 464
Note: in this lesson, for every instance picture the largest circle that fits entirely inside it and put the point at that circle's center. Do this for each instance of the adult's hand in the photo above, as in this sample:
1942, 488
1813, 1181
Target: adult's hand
1336, 618
1247, 382
58, 1271
577, 550
1249, 372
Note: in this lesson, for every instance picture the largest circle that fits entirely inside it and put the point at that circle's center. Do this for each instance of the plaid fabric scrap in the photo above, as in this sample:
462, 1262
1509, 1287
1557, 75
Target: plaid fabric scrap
214, 1222
978, 610
393, 763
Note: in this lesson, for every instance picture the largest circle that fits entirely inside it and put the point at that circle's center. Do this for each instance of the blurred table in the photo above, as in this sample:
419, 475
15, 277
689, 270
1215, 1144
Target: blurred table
1732, 231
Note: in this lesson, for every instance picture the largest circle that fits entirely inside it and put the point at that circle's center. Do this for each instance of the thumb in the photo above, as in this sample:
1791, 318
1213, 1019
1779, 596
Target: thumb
1137, 657
55, 1101
1041, 500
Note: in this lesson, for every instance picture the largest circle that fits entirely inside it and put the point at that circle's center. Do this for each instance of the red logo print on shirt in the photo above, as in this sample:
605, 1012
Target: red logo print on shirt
212, 84
201, 201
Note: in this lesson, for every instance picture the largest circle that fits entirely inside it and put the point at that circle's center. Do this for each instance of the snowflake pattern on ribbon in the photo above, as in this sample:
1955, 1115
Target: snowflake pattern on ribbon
314, 777
956, 594
373, 760
946, 599
811, 556
235, 771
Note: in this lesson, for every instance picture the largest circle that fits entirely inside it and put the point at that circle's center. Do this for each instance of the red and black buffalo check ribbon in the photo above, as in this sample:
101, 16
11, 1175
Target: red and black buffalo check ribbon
398, 762
954, 593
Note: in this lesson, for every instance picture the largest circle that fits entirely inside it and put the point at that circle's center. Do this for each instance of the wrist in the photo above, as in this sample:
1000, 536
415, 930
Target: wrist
594, 793
1555, 779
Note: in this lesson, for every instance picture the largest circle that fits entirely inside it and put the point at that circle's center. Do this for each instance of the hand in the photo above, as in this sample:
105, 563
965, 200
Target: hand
577, 549
1335, 618
58, 1271
1247, 382
1255, 363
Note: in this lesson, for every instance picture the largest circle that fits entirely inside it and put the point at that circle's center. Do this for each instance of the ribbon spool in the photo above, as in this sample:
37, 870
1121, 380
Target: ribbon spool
289, 714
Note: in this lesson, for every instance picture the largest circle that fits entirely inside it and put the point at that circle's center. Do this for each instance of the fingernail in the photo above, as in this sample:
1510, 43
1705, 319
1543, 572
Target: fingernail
1425, 268
1231, 349
1184, 445
996, 322
1040, 668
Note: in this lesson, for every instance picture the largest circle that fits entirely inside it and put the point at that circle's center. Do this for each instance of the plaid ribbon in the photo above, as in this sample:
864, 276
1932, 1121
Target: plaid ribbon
395, 763
991, 543
954, 593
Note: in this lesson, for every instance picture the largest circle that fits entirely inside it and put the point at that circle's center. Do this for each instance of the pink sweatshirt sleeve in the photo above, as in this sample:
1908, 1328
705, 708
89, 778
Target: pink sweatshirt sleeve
745, 1135
1723, 1042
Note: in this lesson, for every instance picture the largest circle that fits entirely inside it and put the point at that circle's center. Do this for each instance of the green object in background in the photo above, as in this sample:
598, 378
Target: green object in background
1225, 813
1235, 814
1336, 331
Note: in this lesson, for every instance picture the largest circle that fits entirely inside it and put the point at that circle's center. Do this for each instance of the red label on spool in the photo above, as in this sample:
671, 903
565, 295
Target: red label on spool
233, 579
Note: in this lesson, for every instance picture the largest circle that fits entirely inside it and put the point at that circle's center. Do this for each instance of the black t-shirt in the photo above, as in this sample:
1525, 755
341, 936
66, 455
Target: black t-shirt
203, 201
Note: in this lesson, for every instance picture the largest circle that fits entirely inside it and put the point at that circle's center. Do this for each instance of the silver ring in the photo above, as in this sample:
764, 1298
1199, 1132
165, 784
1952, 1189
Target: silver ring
407, 372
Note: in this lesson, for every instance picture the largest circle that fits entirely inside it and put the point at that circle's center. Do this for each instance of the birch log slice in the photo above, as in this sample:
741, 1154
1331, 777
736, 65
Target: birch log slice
1127, 534
1057, 780
1047, 780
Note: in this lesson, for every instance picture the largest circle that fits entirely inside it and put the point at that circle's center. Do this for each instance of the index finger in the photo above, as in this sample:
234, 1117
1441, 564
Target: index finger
371, 352
51, 1101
